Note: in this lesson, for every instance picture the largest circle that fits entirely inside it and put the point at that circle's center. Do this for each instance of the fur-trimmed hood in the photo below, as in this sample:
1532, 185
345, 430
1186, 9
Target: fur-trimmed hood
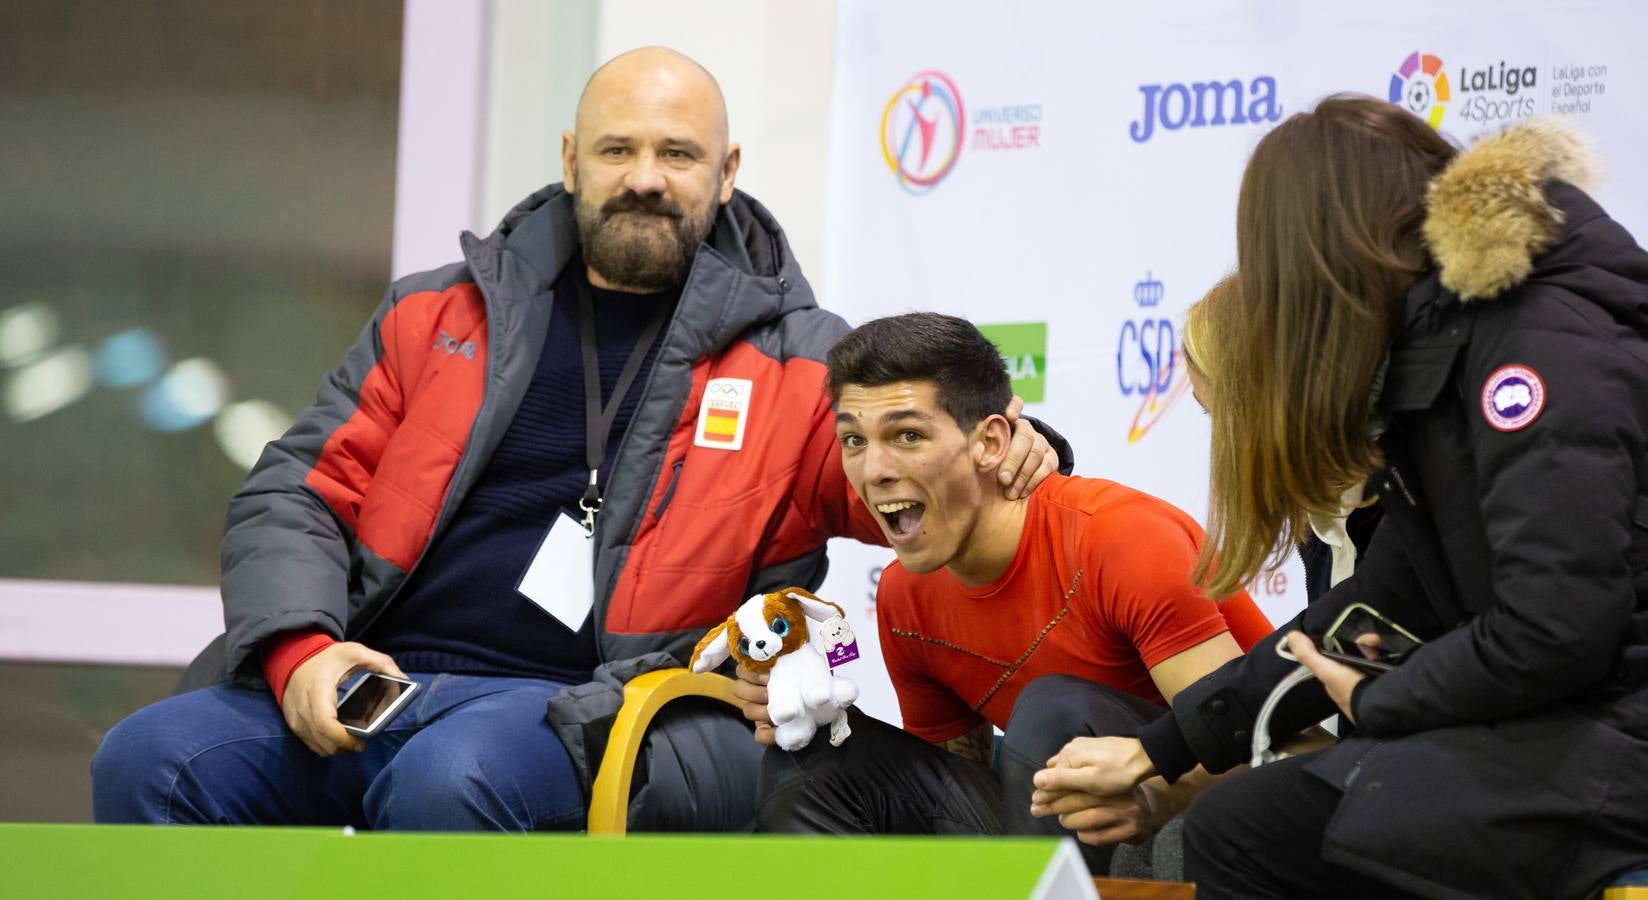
1488, 215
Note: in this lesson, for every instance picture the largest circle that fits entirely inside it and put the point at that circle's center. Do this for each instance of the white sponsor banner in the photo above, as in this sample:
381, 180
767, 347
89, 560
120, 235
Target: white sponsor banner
1071, 168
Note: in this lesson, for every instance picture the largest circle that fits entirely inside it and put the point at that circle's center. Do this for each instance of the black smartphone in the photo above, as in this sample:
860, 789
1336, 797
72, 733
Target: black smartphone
1357, 661
1363, 638
1362, 631
373, 701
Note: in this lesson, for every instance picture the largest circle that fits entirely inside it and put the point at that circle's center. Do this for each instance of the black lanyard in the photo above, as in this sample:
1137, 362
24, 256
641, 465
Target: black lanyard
598, 418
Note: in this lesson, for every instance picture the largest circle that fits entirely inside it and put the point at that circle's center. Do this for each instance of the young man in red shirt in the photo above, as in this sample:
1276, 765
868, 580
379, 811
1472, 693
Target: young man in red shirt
1064, 614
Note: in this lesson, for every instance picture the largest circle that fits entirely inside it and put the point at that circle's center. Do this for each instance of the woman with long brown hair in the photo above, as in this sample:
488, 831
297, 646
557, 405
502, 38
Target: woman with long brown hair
1472, 329
1335, 538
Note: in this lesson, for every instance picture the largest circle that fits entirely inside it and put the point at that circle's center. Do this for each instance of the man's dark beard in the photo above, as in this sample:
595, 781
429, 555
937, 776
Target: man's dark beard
643, 261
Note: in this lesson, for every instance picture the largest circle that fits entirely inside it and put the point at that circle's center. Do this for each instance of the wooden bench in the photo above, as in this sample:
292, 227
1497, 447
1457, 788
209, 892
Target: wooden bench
1134, 889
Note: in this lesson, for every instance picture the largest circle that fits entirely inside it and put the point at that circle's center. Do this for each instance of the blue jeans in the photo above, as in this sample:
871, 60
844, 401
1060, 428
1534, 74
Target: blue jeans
469, 753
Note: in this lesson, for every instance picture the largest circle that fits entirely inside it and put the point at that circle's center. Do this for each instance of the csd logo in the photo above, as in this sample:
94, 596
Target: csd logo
1147, 361
1145, 349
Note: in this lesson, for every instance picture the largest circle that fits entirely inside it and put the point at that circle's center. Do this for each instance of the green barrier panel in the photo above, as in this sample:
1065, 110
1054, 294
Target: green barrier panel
253, 863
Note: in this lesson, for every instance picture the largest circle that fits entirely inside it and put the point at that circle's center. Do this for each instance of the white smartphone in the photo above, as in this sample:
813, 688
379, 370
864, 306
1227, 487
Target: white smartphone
373, 701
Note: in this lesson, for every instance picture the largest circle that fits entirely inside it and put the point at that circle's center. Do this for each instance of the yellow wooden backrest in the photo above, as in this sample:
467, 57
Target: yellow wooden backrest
644, 696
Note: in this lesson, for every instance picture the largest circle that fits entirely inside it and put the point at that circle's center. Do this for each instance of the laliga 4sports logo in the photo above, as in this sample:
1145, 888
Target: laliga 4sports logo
1148, 361
1486, 95
1420, 86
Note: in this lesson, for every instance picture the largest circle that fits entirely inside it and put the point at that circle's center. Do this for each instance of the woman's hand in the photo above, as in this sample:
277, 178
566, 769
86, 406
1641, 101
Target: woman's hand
1339, 679
1103, 767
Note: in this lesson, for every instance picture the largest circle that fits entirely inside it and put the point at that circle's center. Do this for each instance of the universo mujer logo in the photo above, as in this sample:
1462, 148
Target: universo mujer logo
925, 126
921, 130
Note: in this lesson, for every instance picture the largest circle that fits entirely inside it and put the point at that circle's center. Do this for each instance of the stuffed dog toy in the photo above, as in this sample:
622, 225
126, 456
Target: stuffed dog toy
769, 634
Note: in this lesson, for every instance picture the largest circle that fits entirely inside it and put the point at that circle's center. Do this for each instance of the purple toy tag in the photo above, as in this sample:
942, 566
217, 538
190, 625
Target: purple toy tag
845, 653
836, 636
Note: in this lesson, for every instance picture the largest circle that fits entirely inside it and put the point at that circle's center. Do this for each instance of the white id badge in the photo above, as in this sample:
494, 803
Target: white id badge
561, 576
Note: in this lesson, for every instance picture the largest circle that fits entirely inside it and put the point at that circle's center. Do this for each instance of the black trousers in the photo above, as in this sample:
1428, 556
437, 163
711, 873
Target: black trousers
1259, 833
884, 780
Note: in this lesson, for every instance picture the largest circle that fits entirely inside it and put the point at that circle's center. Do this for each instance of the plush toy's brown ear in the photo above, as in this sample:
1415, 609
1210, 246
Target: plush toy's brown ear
712, 650
783, 604
816, 608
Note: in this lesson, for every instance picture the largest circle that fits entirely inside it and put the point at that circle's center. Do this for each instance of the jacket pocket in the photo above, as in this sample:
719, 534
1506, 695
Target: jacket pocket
1416, 377
669, 491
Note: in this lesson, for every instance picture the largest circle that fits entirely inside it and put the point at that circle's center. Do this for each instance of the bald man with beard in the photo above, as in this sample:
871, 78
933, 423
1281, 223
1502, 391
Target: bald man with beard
577, 448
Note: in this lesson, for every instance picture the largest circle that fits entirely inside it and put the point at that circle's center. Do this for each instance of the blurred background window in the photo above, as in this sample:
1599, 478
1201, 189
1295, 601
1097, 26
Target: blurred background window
196, 201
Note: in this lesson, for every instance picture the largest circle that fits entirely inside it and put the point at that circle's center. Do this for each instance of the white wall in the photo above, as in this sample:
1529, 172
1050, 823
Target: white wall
509, 74
439, 156
775, 62
540, 56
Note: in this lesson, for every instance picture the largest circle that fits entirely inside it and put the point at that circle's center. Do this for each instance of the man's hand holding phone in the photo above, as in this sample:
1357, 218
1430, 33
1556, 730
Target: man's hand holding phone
311, 701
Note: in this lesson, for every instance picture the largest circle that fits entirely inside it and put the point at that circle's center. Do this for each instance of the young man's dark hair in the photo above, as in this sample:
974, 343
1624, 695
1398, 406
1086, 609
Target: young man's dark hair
972, 381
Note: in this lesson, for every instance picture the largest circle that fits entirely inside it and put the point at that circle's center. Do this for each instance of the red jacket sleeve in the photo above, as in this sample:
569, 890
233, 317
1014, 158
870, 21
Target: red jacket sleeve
284, 652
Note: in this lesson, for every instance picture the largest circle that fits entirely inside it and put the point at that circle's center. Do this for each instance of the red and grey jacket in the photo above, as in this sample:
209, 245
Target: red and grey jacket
727, 481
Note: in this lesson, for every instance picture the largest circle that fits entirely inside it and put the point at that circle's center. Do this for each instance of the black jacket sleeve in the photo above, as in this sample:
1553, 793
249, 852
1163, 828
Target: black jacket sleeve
1067, 455
1212, 720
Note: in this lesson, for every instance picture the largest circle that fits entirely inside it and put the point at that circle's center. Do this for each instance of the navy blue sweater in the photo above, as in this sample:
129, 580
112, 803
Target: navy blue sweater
459, 611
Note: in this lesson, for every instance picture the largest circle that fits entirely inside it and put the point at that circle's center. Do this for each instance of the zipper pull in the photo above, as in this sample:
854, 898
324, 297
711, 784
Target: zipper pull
1401, 485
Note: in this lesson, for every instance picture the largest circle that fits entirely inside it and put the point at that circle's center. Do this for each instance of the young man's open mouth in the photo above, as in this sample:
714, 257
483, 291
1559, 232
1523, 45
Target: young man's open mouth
903, 518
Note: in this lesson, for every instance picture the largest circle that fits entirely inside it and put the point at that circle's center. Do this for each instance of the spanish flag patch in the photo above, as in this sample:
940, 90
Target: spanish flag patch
724, 413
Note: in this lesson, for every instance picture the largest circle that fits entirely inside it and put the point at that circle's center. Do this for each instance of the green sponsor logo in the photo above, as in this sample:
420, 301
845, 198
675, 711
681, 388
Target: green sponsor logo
1023, 347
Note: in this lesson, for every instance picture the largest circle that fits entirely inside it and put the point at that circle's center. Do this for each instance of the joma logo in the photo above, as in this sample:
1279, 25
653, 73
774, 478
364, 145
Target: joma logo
1206, 103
